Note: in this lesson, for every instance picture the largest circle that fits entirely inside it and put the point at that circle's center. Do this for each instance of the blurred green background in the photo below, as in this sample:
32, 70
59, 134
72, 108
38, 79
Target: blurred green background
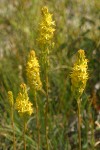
77, 27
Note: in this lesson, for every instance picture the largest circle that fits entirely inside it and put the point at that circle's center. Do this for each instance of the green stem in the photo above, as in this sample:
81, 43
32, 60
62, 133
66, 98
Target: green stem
46, 104
79, 123
12, 118
37, 120
24, 135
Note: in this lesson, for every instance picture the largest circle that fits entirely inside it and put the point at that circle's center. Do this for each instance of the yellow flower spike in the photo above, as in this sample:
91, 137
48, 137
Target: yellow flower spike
79, 75
46, 28
10, 98
23, 105
33, 71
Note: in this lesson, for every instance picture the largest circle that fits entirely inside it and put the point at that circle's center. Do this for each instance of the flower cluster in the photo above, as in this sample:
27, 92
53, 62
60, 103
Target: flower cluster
10, 98
23, 105
79, 74
33, 71
46, 28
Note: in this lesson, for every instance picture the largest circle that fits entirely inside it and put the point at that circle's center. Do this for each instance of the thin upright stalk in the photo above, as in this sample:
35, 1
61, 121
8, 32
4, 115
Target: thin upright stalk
24, 130
46, 105
79, 123
12, 122
37, 120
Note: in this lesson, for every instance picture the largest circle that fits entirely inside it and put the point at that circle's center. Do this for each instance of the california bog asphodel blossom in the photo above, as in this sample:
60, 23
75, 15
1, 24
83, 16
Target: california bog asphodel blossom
79, 74
46, 27
23, 105
33, 71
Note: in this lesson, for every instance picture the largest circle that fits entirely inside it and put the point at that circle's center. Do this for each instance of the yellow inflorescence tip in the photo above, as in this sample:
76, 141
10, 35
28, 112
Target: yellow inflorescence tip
44, 10
32, 54
10, 98
23, 87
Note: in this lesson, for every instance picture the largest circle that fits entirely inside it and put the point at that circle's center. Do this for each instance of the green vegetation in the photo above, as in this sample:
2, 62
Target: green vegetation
77, 26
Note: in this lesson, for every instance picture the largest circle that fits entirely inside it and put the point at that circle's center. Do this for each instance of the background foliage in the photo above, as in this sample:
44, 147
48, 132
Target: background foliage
77, 27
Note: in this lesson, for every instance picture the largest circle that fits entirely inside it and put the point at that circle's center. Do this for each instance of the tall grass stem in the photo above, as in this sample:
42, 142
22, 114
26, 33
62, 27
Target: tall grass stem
46, 105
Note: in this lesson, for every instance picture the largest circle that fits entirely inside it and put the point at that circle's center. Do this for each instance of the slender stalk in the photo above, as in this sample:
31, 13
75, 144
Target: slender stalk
46, 104
37, 120
79, 123
24, 129
12, 122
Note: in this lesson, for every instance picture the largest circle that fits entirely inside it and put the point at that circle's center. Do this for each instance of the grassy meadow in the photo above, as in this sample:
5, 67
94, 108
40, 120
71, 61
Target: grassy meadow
54, 120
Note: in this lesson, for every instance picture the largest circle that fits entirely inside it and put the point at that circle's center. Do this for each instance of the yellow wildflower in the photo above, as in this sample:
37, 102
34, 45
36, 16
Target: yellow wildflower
10, 98
79, 74
46, 28
23, 105
33, 71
